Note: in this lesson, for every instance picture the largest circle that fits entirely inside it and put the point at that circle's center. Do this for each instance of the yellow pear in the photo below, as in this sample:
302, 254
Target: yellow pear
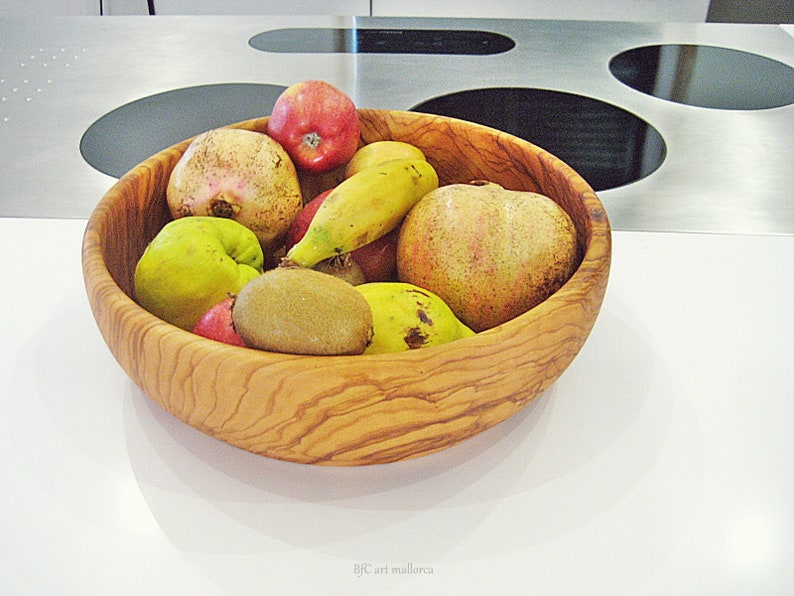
407, 317
379, 152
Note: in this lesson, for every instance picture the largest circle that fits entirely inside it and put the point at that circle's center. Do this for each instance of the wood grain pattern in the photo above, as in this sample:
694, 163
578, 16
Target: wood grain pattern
351, 410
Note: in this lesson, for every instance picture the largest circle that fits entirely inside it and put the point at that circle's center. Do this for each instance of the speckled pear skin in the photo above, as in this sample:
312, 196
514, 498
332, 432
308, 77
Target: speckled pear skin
490, 253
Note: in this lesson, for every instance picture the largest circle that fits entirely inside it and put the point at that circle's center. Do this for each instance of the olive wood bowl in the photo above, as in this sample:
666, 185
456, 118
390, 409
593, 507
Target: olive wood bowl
351, 410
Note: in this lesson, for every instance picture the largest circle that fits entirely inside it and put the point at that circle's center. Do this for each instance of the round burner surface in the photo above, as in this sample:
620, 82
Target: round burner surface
706, 76
126, 136
607, 145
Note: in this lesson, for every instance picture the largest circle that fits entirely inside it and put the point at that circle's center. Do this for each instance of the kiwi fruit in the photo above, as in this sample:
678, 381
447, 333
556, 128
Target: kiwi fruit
296, 310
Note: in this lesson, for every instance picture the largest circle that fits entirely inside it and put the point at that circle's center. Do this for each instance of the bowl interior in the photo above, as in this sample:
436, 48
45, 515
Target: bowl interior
361, 409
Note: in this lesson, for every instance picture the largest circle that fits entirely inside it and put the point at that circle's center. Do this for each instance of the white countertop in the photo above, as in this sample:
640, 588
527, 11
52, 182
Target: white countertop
660, 463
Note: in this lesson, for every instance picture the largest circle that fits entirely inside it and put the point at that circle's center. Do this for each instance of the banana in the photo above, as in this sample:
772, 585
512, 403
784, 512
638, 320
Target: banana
363, 208
407, 317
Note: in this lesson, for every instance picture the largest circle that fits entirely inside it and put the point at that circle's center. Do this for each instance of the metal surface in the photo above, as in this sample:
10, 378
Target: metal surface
163, 119
725, 171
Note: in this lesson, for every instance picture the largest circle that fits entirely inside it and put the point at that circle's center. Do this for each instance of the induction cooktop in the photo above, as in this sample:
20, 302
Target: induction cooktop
607, 145
706, 76
312, 40
679, 127
127, 135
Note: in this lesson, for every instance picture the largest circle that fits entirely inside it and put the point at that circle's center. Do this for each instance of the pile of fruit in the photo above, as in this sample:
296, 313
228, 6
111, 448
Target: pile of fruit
385, 261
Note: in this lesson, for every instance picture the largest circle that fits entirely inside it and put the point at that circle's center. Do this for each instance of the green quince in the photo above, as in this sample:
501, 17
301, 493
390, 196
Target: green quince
192, 264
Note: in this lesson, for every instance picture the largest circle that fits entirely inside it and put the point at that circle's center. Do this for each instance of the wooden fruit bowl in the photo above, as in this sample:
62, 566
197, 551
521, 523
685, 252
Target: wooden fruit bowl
351, 410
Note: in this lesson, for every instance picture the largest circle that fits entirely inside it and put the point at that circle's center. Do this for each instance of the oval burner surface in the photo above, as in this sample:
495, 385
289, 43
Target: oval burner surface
382, 41
706, 76
126, 136
607, 145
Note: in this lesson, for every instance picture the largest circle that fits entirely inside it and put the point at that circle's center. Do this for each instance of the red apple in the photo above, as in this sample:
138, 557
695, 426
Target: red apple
301, 222
377, 260
317, 124
216, 324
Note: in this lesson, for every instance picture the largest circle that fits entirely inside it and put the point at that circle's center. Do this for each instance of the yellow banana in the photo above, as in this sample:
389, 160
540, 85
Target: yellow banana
363, 208
407, 317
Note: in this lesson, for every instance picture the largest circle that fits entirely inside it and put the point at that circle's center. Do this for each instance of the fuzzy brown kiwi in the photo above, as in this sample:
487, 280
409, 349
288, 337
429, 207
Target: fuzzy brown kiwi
301, 311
